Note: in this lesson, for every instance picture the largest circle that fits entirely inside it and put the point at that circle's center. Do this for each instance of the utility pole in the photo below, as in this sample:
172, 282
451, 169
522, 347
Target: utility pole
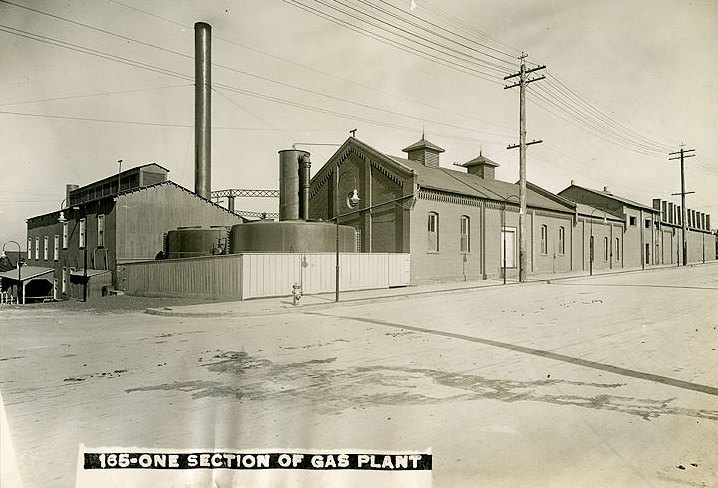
523, 81
682, 154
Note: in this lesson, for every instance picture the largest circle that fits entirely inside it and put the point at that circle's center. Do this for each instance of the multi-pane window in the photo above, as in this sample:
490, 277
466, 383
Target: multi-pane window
56, 248
562, 240
83, 223
433, 231
617, 253
45, 248
465, 237
37, 248
65, 234
29, 248
544, 239
100, 230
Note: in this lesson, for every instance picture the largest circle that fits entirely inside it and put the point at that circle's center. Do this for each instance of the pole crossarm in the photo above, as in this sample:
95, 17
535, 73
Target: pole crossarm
514, 146
681, 155
522, 82
245, 193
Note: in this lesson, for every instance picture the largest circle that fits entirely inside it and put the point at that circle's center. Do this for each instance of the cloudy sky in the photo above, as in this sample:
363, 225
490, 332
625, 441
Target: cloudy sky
85, 83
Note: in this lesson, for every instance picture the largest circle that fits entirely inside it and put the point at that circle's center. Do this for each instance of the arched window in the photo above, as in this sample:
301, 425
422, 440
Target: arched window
465, 234
617, 252
544, 239
561, 240
433, 232
605, 248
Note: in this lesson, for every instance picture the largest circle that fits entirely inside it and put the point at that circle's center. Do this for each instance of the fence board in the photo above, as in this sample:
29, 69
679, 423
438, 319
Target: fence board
255, 275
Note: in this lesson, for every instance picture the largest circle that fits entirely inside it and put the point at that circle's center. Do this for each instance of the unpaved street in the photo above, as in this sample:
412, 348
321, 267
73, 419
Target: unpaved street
602, 381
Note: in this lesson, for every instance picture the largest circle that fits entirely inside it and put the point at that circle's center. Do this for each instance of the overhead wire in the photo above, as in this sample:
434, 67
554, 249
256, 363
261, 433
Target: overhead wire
92, 95
403, 47
557, 94
243, 72
306, 67
137, 64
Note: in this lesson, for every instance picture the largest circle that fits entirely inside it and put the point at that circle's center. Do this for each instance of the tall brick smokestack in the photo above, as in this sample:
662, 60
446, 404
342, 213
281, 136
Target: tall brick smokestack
202, 109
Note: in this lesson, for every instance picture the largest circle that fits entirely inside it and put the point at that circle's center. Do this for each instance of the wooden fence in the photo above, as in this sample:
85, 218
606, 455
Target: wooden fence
256, 275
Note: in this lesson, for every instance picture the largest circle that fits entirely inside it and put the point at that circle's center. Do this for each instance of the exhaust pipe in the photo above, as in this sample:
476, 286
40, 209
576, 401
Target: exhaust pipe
202, 109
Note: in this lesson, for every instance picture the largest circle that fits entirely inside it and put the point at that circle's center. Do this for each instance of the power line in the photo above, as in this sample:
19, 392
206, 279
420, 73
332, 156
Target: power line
263, 78
403, 47
303, 66
92, 95
500, 67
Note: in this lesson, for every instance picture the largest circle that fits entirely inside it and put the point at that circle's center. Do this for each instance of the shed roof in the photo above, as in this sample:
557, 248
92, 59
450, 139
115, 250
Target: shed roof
617, 198
27, 273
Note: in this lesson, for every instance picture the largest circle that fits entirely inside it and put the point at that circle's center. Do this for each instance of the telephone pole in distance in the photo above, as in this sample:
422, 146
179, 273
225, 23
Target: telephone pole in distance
682, 154
523, 81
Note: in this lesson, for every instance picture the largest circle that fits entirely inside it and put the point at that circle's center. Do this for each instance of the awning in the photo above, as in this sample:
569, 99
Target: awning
28, 273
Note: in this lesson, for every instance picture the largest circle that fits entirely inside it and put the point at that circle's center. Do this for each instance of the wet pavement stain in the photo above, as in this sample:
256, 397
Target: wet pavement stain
245, 377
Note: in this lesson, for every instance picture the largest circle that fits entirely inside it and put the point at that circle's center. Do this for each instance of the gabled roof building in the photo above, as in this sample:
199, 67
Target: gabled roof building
457, 225
119, 219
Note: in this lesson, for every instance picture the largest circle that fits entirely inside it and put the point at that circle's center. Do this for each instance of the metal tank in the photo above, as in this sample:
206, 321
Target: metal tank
292, 164
192, 242
293, 232
291, 236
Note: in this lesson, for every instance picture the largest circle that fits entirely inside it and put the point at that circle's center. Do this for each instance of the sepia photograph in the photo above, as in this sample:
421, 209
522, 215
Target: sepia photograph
351, 243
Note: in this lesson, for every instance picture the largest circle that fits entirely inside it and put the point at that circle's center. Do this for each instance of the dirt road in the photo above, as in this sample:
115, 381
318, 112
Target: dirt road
608, 381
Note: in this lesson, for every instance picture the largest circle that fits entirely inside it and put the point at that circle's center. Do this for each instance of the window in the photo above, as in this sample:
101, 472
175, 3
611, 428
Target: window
465, 234
29, 248
65, 234
100, 230
648, 223
433, 232
37, 248
561, 240
544, 239
64, 280
605, 248
45, 248
632, 220
617, 252
56, 248
82, 232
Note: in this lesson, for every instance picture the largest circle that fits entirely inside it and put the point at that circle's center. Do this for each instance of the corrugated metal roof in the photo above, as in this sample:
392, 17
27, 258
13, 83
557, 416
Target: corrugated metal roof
462, 183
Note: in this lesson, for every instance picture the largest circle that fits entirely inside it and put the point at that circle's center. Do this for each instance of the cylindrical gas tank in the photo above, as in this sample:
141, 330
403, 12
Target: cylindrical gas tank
290, 161
291, 236
190, 242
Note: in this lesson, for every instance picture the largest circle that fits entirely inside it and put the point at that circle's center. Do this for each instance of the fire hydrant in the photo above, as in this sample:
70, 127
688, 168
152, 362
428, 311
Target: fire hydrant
296, 293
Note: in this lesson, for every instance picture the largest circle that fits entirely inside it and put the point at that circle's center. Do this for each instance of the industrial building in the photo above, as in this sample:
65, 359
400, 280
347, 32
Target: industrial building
461, 225
652, 235
122, 218
365, 220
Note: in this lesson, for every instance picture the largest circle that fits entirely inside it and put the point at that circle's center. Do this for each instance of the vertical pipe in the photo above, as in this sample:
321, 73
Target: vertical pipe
304, 177
202, 109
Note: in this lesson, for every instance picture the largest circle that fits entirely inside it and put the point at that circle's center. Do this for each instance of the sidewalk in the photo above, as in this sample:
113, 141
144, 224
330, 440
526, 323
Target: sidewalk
274, 305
